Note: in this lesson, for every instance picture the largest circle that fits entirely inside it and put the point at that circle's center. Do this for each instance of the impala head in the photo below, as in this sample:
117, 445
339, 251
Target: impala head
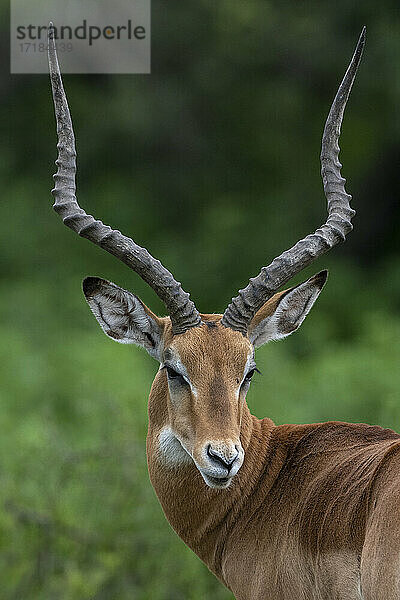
208, 368
206, 361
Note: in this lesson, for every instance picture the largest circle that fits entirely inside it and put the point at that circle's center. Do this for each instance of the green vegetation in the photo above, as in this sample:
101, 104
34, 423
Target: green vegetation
211, 162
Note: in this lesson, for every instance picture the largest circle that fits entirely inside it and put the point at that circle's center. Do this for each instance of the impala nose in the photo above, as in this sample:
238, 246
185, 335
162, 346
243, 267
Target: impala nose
222, 455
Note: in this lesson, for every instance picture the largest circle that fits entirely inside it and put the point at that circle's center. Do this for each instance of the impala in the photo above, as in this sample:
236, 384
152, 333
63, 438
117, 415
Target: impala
291, 512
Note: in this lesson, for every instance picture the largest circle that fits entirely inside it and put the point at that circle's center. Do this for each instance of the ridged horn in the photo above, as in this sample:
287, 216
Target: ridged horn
243, 307
182, 311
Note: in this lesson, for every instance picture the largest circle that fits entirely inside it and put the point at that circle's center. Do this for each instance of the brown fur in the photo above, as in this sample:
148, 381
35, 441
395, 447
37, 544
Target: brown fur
313, 512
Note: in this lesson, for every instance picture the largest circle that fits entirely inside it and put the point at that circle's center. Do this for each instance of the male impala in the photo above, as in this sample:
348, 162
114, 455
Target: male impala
295, 512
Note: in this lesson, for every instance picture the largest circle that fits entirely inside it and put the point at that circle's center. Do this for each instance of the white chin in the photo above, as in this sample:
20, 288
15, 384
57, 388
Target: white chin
217, 483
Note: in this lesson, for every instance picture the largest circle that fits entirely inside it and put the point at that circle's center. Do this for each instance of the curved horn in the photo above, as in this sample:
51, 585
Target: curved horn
243, 308
181, 309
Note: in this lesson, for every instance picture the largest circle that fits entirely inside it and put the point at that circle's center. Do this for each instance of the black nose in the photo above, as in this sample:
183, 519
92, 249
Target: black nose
220, 458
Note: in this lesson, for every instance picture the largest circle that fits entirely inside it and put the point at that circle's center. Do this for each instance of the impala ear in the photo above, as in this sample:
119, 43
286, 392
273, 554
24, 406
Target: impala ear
282, 314
122, 316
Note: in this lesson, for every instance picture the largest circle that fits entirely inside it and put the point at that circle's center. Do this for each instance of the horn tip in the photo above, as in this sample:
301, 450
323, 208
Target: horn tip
51, 50
360, 43
50, 38
363, 35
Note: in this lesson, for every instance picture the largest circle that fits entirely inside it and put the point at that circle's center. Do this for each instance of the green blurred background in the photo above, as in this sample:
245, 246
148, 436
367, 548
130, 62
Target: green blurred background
212, 162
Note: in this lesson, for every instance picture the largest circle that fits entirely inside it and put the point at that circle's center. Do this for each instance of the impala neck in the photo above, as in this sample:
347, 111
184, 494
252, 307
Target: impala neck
202, 516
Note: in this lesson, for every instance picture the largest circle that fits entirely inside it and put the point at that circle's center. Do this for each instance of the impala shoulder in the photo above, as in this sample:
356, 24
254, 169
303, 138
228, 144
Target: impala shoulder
319, 438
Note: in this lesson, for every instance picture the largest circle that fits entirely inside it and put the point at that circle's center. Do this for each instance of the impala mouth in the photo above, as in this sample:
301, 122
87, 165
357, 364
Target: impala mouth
217, 482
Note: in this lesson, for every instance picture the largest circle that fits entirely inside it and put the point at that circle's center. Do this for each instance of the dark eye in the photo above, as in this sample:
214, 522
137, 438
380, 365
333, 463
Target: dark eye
174, 375
249, 375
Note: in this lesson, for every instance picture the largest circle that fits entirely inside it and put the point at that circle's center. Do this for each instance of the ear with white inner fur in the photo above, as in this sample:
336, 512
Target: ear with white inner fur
122, 316
285, 312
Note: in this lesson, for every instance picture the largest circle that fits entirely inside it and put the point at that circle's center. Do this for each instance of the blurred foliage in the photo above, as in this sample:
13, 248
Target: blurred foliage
212, 163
